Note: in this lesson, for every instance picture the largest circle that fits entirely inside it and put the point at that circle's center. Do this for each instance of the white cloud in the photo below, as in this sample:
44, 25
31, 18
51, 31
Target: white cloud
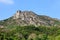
7, 1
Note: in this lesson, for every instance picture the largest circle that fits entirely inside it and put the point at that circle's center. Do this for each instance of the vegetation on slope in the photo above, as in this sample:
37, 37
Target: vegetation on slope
16, 27
29, 33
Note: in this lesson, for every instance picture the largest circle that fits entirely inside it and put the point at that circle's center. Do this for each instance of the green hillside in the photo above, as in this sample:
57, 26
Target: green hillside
29, 33
26, 25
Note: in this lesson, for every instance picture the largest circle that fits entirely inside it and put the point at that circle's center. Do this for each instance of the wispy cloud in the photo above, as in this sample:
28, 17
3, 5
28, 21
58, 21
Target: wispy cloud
7, 1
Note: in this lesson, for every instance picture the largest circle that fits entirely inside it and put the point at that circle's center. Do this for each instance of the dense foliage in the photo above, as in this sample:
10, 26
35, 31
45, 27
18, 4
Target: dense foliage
29, 33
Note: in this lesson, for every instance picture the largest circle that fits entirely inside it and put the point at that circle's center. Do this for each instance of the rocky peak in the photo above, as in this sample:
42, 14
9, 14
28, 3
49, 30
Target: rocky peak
29, 17
17, 14
24, 14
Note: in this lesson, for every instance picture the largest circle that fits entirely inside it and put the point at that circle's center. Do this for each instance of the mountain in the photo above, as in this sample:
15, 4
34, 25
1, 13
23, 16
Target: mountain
23, 18
27, 25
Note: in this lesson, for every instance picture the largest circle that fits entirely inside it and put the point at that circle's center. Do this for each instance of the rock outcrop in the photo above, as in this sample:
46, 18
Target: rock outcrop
30, 18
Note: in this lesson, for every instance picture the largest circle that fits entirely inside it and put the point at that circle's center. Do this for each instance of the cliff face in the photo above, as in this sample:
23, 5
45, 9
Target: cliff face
30, 18
27, 16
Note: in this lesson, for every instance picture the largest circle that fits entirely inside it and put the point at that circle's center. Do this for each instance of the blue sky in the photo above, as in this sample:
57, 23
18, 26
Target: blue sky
42, 7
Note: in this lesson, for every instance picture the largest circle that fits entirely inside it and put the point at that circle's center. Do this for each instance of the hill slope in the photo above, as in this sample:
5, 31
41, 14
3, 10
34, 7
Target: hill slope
30, 18
26, 25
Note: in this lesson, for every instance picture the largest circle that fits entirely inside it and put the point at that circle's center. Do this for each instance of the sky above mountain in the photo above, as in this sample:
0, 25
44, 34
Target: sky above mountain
41, 7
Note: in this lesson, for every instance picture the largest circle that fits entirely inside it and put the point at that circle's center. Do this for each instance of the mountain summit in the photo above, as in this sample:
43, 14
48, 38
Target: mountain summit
30, 18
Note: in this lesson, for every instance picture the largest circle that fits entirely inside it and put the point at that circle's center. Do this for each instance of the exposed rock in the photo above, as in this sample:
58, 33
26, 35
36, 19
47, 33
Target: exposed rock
1, 26
32, 36
30, 18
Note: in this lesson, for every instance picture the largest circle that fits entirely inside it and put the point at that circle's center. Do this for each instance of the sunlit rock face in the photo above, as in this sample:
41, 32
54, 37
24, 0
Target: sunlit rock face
18, 15
1, 26
30, 18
